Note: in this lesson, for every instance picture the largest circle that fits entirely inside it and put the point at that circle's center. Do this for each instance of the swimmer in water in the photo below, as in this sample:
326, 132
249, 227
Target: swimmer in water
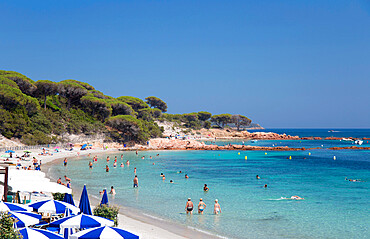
107, 168
108, 159
258, 177
90, 165
171, 181
121, 156
205, 188
115, 164
150, 157
296, 198
122, 165
201, 206
265, 186
128, 163
161, 175
164, 177
186, 176
143, 157
135, 171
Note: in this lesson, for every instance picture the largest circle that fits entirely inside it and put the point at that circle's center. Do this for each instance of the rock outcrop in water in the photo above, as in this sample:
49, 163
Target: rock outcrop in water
177, 144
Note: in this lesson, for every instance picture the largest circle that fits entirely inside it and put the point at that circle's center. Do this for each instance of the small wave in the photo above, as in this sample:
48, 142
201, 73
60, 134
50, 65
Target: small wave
157, 218
206, 232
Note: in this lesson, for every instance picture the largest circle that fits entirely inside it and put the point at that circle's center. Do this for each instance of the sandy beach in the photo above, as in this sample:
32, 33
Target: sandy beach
129, 219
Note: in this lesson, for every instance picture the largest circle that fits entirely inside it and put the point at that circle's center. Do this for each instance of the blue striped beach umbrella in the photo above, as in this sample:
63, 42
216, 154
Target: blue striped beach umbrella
33, 233
53, 206
104, 233
84, 202
81, 221
7, 206
25, 219
68, 199
104, 199
9, 151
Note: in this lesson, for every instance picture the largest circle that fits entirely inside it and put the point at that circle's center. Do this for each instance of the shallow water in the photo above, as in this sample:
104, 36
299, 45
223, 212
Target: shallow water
333, 207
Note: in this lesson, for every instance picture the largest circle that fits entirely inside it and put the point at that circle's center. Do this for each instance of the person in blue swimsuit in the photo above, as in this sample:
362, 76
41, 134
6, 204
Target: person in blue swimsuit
201, 206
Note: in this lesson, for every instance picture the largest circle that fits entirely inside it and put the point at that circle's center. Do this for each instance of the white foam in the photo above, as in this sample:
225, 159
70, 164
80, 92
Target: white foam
206, 232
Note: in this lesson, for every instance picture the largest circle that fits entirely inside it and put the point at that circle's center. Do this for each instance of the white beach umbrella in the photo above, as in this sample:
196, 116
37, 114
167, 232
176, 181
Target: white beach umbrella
81, 221
42, 186
7, 206
25, 219
104, 233
53, 206
33, 233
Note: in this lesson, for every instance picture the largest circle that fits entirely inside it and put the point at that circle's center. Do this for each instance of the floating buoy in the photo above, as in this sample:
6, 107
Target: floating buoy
246, 157
322, 145
334, 158
309, 153
290, 157
238, 153
265, 153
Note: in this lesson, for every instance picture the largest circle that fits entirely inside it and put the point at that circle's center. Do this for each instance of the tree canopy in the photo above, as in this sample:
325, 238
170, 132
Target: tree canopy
156, 103
134, 102
240, 120
71, 91
221, 120
45, 88
204, 115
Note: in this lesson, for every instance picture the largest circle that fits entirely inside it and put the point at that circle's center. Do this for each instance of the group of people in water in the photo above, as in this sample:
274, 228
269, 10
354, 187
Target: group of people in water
189, 207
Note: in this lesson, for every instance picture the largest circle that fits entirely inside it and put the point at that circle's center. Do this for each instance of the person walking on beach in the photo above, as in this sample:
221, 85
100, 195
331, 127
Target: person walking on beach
201, 206
136, 182
189, 206
65, 162
217, 207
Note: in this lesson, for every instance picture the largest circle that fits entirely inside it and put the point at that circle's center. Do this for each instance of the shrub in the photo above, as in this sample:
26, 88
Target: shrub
6, 227
58, 196
107, 212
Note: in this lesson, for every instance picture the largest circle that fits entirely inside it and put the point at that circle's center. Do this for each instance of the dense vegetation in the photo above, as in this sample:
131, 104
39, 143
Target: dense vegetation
42, 112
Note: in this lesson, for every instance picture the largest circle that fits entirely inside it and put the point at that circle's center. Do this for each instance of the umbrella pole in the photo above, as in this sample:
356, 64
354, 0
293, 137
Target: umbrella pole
6, 184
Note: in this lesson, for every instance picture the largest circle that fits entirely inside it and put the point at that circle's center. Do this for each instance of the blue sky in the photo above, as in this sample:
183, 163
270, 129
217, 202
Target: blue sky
281, 63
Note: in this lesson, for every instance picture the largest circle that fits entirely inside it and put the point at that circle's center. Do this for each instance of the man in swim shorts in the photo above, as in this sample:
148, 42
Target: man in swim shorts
189, 206
201, 206
136, 182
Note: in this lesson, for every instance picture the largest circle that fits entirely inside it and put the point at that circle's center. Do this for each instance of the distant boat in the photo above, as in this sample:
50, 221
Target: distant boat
359, 142
346, 139
331, 130
254, 141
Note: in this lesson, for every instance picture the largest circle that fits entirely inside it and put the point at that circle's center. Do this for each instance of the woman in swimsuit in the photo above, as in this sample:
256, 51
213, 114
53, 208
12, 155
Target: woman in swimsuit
201, 206
189, 206
217, 208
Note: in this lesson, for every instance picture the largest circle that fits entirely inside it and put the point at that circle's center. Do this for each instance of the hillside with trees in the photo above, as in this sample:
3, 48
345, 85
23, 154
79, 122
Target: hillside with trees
39, 112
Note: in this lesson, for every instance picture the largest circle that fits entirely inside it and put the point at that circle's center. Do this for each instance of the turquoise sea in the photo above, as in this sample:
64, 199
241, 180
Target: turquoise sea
333, 207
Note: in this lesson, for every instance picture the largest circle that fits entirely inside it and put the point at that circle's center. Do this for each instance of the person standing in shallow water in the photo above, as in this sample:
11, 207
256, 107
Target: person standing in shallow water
189, 206
136, 182
65, 162
201, 206
107, 168
217, 208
